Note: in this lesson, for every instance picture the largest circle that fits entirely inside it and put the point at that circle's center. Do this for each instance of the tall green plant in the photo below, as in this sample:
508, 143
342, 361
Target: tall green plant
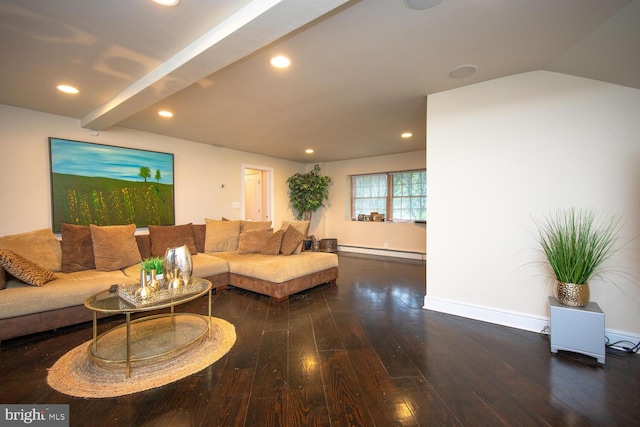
576, 243
308, 192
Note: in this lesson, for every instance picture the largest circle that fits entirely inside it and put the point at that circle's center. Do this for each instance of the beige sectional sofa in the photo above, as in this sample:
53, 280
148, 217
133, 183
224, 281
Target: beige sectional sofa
65, 271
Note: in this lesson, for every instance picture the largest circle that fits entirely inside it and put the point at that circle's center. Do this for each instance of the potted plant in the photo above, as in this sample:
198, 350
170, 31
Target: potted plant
153, 263
308, 192
576, 243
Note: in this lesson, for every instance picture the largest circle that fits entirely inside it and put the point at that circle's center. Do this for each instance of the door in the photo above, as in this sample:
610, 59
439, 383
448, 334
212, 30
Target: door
253, 195
257, 193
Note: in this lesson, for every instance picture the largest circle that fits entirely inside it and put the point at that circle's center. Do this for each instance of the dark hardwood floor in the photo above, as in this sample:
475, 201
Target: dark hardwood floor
362, 353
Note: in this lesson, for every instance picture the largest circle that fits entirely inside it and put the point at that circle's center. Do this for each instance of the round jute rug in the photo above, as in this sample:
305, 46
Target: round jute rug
76, 374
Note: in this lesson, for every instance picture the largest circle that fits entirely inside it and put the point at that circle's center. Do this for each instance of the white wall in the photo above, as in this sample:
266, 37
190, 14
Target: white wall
199, 170
337, 222
505, 151
25, 191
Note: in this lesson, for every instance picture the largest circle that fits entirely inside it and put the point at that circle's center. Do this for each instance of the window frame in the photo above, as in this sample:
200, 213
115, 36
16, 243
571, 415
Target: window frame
389, 194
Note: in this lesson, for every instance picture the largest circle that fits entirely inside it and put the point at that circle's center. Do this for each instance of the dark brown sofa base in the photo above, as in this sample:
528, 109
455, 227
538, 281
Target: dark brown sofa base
281, 291
48, 320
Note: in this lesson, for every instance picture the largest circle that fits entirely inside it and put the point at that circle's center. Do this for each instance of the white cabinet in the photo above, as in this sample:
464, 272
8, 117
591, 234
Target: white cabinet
577, 329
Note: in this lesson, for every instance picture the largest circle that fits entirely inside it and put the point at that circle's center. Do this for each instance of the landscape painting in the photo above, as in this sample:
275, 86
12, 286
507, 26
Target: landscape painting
107, 185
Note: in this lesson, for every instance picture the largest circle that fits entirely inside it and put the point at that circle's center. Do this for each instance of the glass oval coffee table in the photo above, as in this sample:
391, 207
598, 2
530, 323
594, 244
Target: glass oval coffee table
150, 336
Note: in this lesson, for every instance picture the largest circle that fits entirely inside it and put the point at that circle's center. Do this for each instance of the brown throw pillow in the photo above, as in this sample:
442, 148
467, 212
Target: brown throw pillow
222, 236
114, 246
199, 236
23, 269
272, 247
291, 240
77, 248
301, 226
253, 241
171, 236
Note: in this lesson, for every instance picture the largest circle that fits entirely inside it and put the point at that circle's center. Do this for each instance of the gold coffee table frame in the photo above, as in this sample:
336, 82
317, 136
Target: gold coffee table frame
170, 340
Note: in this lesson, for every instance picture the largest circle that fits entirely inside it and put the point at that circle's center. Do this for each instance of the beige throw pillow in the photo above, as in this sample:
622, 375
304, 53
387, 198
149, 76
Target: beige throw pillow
114, 246
254, 225
222, 236
39, 246
23, 269
253, 241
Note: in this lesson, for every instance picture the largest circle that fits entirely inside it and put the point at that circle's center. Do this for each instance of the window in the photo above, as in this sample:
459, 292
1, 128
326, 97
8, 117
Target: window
400, 196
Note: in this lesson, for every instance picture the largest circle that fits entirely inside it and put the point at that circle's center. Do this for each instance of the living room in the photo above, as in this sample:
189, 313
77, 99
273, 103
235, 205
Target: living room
507, 184
501, 152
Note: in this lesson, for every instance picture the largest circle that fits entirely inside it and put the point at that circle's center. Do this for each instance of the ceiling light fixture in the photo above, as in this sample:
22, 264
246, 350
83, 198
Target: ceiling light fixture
68, 89
166, 2
421, 4
165, 113
308, 151
406, 135
462, 71
280, 61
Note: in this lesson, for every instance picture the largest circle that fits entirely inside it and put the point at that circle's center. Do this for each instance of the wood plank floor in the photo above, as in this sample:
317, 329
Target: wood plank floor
362, 353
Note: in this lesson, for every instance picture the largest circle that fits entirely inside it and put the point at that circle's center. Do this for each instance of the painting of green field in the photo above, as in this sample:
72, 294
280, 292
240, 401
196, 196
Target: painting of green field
109, 185
83, 200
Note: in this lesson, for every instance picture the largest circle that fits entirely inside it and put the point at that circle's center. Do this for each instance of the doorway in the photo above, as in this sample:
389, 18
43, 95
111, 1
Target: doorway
257, 197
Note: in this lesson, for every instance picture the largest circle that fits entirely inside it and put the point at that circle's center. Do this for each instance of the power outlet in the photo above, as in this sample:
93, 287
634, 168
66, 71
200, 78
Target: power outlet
386, 245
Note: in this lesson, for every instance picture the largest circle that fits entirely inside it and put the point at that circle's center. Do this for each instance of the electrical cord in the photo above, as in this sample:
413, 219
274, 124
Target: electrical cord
619, 347
615, 348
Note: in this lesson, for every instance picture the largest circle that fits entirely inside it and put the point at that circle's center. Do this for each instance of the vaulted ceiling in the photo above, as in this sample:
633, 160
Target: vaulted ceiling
359, 76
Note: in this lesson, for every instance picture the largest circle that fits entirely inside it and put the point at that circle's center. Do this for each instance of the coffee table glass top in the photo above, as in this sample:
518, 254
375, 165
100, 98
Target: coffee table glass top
111, 302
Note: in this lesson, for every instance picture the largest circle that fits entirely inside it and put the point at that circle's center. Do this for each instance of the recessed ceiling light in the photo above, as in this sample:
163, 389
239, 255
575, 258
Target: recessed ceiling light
166, 2
421, 4
462, 71
406, 135
280, 61
165, 113
68, 89
308, 151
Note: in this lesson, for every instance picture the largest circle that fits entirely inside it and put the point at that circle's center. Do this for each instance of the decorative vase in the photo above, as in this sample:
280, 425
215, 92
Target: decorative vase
154, 281
176, 281
178, 258
145, 290
571, 294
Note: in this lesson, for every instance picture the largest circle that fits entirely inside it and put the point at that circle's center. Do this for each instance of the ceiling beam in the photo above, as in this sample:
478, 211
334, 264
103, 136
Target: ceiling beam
255, 26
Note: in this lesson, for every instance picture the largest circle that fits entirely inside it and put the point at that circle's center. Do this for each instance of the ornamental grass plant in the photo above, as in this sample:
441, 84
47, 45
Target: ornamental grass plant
153, 263
577, 242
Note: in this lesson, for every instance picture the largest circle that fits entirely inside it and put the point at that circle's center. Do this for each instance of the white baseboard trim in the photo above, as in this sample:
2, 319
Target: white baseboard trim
383, 252
513, 319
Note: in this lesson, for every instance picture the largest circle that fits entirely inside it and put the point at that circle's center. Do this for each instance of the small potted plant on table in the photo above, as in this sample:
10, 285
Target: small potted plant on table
153, 263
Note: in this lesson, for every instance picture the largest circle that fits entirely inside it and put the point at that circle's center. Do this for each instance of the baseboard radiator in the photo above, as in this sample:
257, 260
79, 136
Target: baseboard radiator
396, 253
